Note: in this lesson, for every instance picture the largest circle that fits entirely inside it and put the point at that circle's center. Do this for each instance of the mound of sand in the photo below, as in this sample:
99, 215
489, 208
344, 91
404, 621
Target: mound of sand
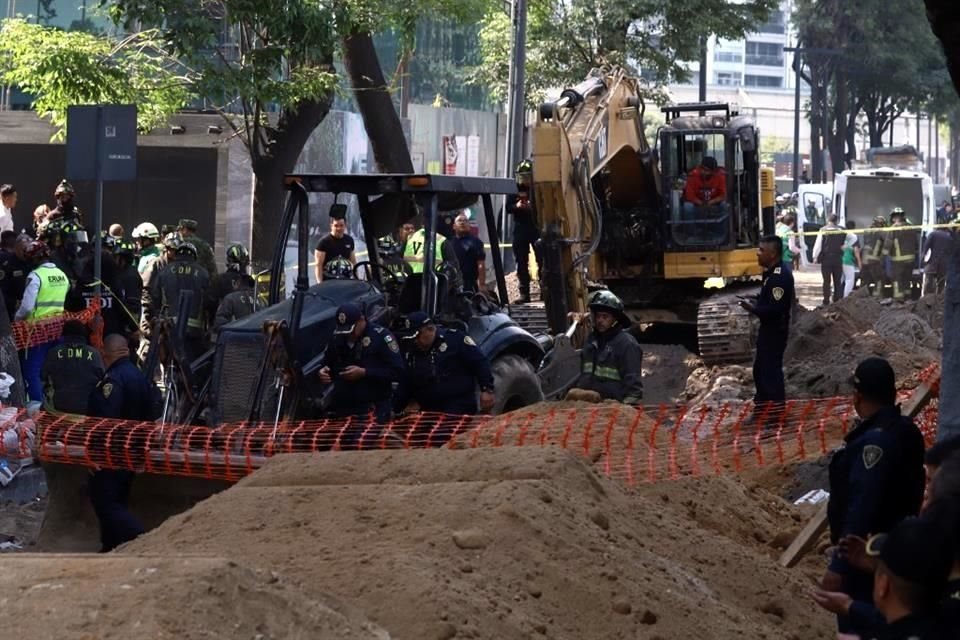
508, 543
122, 596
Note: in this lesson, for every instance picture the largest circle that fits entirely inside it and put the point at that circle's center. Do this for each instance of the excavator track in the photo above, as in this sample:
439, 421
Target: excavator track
532, 316
725, 331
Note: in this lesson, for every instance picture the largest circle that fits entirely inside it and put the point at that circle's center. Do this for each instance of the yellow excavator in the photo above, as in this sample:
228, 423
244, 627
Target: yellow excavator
613, 213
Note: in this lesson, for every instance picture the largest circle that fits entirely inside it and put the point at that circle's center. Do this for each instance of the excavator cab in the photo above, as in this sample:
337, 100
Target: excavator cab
709, 169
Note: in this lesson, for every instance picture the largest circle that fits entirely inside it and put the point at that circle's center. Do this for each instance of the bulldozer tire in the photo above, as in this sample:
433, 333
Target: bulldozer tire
515, 383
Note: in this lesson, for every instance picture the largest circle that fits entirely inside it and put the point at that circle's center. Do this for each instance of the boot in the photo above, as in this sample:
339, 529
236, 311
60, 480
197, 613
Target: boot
524, 295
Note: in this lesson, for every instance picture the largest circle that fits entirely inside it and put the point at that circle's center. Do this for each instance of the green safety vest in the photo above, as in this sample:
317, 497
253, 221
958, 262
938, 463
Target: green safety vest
414, 248
54, 286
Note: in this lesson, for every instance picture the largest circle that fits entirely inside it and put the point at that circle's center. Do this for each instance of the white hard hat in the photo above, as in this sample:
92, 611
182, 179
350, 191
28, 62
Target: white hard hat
146, 230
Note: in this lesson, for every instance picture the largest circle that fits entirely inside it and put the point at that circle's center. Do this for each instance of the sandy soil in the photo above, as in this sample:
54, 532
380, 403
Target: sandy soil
509, 543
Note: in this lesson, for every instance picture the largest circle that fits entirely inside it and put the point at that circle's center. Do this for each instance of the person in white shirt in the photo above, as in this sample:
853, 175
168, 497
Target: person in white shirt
8, 200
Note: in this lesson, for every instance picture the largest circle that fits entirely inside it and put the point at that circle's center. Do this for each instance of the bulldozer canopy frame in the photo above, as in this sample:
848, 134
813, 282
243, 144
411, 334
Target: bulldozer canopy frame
431, 193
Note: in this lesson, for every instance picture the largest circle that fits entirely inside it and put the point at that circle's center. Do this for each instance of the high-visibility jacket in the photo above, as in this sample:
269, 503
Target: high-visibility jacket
54, 286
873, 247
902, 245
415, 247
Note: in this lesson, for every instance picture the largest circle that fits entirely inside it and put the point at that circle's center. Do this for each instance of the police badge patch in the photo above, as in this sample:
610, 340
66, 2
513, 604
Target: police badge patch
778, 293
107, 389
871, 455
443, 347
341, 318
468, 340
366, 341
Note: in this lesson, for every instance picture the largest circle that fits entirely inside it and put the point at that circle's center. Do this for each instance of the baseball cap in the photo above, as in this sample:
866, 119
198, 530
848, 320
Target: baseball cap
915, 550
416, 321
347, 316
874, 377
187, 223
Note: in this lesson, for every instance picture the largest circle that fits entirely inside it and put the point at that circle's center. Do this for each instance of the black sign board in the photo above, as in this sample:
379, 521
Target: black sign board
102, 143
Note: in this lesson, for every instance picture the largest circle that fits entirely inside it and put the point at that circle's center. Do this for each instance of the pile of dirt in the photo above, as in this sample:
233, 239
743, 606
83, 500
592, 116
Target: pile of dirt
20, 523
826, 344
666, 369
123, 596
511, 542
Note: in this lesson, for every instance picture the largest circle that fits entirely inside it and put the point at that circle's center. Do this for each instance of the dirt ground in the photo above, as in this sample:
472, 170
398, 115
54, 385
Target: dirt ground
509, 543
196, 597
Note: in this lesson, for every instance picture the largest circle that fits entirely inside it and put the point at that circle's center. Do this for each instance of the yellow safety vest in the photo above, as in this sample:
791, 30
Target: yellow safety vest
54, 286
416, 245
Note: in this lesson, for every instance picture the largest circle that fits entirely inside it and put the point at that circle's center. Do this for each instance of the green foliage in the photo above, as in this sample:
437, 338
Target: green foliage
68, 68
568, 38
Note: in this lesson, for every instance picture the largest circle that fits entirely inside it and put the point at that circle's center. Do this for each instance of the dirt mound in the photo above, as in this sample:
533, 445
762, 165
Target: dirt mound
117, 596
510, 543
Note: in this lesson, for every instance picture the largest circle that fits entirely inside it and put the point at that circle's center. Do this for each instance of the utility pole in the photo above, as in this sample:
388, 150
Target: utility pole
703, 69
796, 118
516, 112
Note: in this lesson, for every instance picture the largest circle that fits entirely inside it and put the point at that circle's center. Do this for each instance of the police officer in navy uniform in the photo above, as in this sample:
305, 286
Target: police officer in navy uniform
123, 393
772, 307
444, 369
13, 269
363, 361
876, 479
71, 371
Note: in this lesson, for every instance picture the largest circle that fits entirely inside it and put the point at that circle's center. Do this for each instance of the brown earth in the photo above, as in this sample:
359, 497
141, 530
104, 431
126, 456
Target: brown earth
136, 596
509, 543
20, 523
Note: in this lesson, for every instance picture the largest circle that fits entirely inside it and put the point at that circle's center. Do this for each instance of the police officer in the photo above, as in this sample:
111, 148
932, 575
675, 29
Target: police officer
184, 274
187, 229
124, 394
13, 271
444, 369
772, 307
362, 363
43, 297
525, 230
876, 478
871, 270
611, 363
901, 247
71, 371
237, 304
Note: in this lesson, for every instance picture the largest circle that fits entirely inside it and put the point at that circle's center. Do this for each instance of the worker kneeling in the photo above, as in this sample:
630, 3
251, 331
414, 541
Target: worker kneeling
611, 363
362, 363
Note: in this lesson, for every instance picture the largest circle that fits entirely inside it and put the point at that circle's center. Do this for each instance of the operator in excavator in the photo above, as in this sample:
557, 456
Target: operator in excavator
706, 187
902, 247
611, 363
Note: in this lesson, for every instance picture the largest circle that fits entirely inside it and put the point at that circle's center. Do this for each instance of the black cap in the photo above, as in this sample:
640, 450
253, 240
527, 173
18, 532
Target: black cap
187, 223
875, 379
915, 550
416, 321
709, 162
347, 316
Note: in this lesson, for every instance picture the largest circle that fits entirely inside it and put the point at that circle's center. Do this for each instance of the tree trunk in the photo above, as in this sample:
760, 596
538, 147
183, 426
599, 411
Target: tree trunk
384, 129
293, 130
816, 131
874, 129
838, 138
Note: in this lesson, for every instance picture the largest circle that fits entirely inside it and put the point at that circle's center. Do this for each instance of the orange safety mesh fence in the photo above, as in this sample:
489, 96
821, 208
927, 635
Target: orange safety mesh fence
634, 444
27, 333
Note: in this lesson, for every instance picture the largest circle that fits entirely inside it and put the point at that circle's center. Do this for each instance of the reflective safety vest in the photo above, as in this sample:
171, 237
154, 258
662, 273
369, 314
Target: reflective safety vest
873, 251
54, 286
415, 247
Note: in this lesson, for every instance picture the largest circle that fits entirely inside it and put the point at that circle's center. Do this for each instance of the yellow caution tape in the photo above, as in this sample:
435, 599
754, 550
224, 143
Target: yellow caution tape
865, 230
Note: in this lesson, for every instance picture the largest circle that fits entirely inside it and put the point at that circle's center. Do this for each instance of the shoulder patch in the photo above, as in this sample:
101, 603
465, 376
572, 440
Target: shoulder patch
366, 341
107, 389
393, 346
777, 271
777, 293
871, 455
443, 347
469, 341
